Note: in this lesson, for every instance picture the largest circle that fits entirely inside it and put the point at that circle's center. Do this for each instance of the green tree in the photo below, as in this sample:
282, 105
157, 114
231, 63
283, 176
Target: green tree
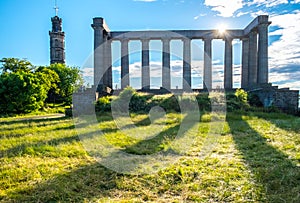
70, 81
51, 80
21, 92
15, 65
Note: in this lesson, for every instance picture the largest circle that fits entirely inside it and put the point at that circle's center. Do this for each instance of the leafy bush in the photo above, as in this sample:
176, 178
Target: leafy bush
104, 104
237, 101
21, 92
204, 102
25, 88
127, 93
170, 104
142, 103
241, 96
68, 82
254, 100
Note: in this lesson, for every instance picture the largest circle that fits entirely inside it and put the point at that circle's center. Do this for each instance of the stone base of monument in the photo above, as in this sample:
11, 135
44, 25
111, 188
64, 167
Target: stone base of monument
283, 98
84, 102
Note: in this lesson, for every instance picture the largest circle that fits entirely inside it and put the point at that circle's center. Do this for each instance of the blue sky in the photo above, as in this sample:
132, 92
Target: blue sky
25, 26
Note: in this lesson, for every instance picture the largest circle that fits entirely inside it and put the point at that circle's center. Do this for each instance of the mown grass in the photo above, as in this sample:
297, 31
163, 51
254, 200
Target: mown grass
256, 158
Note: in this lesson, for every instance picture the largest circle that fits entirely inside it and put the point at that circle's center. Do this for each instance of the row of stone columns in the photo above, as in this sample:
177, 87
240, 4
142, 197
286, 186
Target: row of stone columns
255, 57
166, 59
166, 73
166, 78
254, 60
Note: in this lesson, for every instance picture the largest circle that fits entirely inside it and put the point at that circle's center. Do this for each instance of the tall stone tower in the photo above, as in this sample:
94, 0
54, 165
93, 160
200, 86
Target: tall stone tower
57, 41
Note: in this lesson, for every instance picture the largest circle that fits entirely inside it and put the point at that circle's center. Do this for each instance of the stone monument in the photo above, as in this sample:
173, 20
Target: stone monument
254, 54
57, 40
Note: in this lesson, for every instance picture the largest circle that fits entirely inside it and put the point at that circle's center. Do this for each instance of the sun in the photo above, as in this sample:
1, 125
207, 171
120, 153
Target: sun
222, 28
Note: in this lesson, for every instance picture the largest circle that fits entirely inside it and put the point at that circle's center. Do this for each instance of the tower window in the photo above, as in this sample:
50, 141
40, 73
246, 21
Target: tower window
56, 43
58, 54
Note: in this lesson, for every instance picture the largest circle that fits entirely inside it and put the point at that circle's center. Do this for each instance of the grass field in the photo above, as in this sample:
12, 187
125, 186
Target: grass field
256, 159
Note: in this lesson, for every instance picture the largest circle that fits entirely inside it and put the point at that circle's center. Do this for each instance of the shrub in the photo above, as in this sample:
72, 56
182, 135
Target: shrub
242, 96
104, 104
204, 102
21, 92
170, 104
139, 103
237, 101
254, 100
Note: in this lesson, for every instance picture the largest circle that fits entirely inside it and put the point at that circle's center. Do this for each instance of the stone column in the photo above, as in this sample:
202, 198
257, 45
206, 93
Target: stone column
107, 80
207, 81
263, 53
186, 64
252, 58
98, 51
145, 64
124, 63
166, 67
228, 64
245, 63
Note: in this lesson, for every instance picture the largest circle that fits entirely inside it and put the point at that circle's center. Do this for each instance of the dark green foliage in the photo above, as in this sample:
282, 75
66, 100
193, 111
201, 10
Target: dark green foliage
237, 101
254, 100
204, 102
68, 112
50, 78
140, 103
271, 109
69, 81
24, 88
21, 92
171, 104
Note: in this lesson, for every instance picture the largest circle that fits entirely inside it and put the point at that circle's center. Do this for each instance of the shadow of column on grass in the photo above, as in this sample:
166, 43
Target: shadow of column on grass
23, 124
156, 144
84, 184
161, 141
272, 169
23, 149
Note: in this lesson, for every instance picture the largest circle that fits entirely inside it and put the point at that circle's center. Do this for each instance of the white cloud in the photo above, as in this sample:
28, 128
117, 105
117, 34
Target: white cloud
200, 15
258, 7
225, 8
241, 14
258, 13
285, 53
268, 3
88, 72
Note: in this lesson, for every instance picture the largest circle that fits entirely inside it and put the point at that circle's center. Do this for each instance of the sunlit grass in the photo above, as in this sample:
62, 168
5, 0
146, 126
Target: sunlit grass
255, 158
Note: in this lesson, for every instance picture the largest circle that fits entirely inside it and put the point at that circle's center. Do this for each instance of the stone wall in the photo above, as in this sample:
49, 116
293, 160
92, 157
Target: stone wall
84, 102
285, 99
